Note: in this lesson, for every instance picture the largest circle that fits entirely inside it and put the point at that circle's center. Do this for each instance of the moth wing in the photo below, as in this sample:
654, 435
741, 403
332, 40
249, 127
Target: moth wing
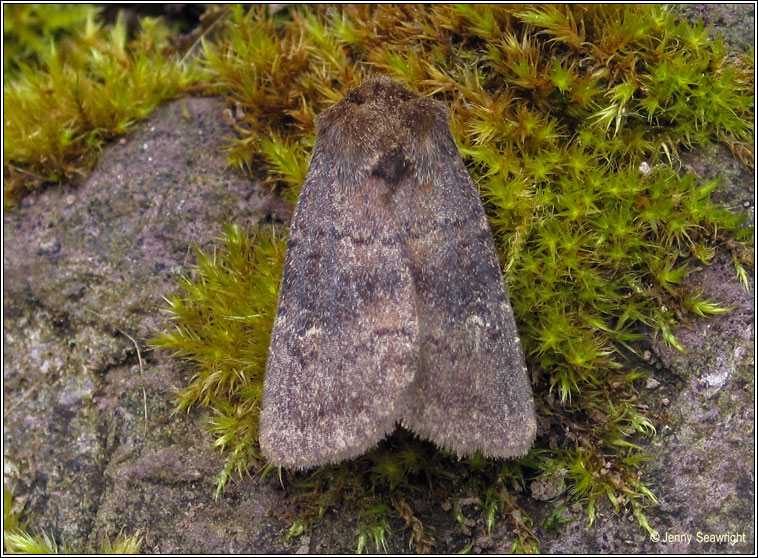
344, 345
473, 393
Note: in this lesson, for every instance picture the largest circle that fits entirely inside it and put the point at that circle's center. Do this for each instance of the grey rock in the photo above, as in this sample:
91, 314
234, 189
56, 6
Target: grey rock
548, 488
85, 265
703, 455
736, 22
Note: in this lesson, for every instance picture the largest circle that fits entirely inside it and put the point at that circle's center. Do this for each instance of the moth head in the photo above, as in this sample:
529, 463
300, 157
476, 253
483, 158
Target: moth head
380, 93
379, 128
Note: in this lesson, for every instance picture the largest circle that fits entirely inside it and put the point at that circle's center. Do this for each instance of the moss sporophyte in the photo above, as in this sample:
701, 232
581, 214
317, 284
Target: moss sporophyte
571, 120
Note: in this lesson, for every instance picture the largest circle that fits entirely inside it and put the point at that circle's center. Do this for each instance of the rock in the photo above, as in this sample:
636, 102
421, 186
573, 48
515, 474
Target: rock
85, 265
652, 383
549, 488
703, 455
735, 21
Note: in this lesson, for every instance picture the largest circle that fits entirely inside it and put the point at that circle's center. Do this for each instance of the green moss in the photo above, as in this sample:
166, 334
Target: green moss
571, 119
223, 324
84, 84
29, 28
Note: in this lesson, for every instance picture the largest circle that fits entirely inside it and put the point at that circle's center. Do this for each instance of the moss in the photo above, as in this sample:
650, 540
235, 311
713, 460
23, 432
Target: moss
28, 30
223, 324
81, 84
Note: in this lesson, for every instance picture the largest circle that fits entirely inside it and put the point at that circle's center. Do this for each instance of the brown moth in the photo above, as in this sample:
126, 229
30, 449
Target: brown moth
392, 308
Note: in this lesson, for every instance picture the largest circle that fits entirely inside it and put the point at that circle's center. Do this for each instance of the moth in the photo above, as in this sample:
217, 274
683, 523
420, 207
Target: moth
392, 307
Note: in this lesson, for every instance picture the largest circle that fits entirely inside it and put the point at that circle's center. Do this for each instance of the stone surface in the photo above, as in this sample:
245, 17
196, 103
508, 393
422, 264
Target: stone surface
91, 445
700, 464
736, 22
704, 453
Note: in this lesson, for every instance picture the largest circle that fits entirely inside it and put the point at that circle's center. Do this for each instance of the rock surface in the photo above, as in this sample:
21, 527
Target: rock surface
90, 442
91, 446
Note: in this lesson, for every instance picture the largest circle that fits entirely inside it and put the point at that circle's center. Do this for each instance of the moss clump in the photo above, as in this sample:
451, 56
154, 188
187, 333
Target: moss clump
84, 84
223, 324
571, 119
28, 30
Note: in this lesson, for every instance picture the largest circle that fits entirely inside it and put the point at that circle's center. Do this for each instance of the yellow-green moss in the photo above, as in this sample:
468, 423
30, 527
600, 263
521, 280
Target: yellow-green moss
66, 93
222, 322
